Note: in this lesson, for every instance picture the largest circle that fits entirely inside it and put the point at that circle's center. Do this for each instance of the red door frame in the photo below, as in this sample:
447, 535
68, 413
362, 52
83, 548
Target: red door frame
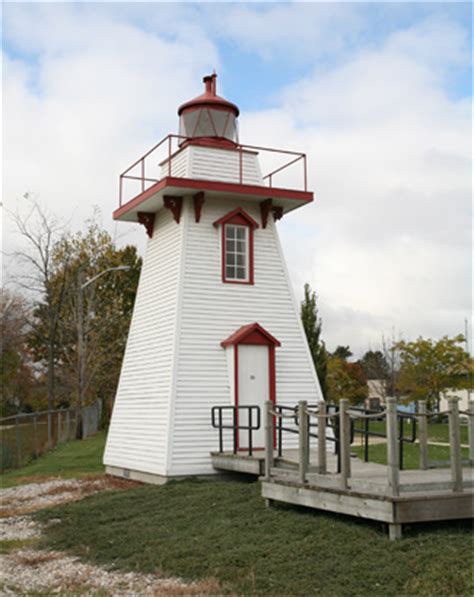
254, 334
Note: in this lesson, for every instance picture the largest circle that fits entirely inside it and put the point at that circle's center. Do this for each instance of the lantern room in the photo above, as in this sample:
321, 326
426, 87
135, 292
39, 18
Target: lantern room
209, 117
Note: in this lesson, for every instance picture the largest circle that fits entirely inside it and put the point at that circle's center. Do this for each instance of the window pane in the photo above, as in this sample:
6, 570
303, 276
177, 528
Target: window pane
230, 245
230, 231
230, 272
241, 233
230, 259
241, 273
240, 260
241, 246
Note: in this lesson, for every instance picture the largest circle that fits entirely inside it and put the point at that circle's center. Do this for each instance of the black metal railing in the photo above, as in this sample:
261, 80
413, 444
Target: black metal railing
221, 422
226, 418
366, 432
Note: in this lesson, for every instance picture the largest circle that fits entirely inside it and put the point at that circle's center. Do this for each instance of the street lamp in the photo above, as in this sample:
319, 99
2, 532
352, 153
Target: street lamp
81, 344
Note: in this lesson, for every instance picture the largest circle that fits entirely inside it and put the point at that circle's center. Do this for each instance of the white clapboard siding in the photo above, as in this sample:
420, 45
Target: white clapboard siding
207, 163
139, 430
209, 312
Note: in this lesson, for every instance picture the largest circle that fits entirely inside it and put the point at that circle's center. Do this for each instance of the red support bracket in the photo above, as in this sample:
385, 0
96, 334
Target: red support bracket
174, 204
265, 209
148, 220
198, 199
277, 213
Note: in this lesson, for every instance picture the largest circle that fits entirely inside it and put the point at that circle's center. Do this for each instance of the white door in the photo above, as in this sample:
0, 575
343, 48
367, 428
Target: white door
253, 390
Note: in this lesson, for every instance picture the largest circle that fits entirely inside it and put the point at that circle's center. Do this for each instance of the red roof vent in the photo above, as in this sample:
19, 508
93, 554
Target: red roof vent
209, 99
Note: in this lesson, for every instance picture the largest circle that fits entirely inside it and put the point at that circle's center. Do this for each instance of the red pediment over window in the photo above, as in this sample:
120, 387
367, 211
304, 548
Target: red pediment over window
237, 216
252, 333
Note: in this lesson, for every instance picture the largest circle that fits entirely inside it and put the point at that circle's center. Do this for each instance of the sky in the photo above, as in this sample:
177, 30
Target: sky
379, 96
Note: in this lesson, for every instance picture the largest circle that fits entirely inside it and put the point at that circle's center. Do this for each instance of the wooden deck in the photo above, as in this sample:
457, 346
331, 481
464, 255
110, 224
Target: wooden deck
424, 495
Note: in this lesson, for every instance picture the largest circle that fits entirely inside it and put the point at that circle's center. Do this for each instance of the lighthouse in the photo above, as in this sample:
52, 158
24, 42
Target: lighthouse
215, 321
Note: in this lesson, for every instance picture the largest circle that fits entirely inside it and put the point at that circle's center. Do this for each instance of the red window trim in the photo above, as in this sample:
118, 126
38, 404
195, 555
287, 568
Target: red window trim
238, 217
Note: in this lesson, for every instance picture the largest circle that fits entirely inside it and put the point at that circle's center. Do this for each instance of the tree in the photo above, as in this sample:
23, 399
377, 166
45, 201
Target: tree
41, 230
312, 325
346, 380
375, 365
342, 352
106, 307
16, 374
431, 367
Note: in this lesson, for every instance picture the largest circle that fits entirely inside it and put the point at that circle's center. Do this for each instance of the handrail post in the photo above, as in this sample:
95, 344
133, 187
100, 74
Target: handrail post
455, 444
344, 442
392, 452
268, 438
169, 155
303, 437
423, 434
305, 173
470, 422
322, 460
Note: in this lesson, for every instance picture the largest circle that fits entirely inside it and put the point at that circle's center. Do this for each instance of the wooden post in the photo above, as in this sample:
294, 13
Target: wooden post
322, 464
303, 437
423, 434
455, 444
470, 422
345, 442
392, 451
394, 531
58, 414
268, 438
68, 424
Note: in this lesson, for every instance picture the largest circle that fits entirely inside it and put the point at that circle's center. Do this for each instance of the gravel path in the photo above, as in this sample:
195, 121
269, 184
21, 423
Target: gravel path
27, 571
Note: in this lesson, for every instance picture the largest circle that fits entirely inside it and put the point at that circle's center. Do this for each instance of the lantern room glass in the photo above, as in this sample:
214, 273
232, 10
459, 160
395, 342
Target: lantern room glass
209, 122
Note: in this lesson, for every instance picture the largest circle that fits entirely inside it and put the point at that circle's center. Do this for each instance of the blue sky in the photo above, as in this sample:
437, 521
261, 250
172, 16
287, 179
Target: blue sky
379, 95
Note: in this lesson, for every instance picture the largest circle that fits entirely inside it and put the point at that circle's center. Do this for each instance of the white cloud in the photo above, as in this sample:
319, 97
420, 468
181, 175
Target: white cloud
387, 241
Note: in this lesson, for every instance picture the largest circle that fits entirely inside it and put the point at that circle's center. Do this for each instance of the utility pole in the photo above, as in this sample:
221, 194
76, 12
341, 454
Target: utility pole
82, 328
80, 352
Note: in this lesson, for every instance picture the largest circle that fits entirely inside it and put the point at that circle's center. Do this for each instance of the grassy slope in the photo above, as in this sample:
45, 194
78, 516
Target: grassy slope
72, 459
199, 529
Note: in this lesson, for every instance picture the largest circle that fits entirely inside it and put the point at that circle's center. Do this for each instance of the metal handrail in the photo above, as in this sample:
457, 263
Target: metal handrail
235, 427
241, 148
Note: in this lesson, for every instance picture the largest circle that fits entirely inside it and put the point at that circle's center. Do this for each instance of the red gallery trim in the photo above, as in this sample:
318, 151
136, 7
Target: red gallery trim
210, 185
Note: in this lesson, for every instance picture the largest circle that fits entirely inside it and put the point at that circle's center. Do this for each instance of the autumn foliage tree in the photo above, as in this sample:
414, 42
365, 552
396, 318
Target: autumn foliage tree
346, 380
17, 381
107, 308
429, 368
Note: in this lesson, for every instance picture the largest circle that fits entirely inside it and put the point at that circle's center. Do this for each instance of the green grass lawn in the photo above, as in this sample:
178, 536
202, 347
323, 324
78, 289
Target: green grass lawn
71, 459
411, 454
221, 529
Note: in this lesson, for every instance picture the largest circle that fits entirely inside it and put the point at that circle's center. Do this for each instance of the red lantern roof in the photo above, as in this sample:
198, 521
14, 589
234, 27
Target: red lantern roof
209, 99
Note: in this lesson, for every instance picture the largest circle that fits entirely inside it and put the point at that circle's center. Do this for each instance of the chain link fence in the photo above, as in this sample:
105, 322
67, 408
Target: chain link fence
25, 437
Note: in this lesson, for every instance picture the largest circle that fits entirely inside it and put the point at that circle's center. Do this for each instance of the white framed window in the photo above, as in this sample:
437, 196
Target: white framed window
236, 253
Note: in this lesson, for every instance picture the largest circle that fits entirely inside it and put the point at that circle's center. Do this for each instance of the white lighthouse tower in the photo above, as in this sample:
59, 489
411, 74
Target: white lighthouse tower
215, 322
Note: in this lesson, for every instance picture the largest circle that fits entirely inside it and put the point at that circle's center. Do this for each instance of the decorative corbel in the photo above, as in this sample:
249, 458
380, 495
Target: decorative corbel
198, 200
265, 209
174, 204
277, 213
148, 220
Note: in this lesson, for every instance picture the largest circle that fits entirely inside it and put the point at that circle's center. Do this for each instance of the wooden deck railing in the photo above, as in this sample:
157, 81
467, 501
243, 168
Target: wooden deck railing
390, 415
